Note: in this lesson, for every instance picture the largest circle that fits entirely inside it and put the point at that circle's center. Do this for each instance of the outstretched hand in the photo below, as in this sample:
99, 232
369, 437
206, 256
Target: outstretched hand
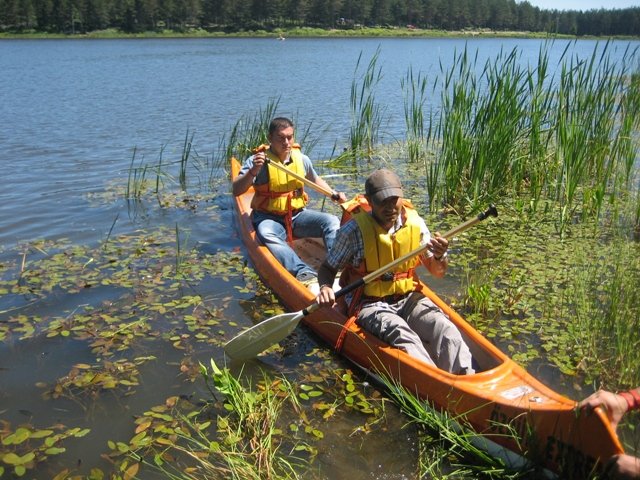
613, 405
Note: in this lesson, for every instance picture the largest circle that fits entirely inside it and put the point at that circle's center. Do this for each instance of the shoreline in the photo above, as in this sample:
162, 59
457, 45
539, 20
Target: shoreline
306, 32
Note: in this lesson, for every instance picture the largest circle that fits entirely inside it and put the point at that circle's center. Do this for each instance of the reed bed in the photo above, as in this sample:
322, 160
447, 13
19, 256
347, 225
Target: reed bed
606, 330
506, 129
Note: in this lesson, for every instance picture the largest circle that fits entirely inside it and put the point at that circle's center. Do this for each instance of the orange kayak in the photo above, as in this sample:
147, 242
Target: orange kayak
498, 400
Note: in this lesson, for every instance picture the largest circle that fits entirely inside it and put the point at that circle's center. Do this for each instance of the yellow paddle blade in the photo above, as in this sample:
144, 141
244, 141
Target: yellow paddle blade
258, 338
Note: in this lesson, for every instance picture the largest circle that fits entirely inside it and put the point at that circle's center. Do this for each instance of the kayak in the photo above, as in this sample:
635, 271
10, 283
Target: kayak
515, 416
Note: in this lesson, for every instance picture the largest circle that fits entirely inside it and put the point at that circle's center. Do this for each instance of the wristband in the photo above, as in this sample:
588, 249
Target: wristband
632, 402
324, 285
636, 397
439, 259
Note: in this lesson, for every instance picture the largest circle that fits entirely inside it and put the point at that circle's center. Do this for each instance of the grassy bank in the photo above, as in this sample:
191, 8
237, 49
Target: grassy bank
294, 32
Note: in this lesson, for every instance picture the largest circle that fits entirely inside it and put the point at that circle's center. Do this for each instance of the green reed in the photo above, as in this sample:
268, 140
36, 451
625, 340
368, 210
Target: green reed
584, 126
251, 130
366, 113
605, 315
506, 129
136, 179
250, 432
481, 127
242, 442
448, 446
158, 170
454, 144
533, 177
184, 160
414, 90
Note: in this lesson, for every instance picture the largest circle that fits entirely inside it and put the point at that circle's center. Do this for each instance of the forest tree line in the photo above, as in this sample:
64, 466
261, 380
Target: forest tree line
135, 16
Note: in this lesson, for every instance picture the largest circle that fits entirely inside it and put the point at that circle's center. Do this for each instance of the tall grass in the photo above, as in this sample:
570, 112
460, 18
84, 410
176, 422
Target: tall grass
606, 315
505, 129
251, 130
245, 443
482, 127
586, 112
366, 113
449, 448
414, 90
533, 175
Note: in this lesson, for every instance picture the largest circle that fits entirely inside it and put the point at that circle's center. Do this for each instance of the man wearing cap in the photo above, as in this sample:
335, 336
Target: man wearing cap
392, 306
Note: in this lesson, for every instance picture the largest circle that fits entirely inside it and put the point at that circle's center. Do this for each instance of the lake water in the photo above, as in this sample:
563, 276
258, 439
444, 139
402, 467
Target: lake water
72, 112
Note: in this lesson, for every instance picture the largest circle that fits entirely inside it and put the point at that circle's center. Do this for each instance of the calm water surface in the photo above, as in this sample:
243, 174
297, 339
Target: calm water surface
72, 111
71, 114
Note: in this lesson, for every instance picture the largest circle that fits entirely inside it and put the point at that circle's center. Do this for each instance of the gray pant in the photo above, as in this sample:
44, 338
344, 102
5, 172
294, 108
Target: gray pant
417, 326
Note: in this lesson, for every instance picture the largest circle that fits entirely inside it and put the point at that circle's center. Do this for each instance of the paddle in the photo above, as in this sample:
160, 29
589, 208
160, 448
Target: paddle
258, 338
306, 181
281, 167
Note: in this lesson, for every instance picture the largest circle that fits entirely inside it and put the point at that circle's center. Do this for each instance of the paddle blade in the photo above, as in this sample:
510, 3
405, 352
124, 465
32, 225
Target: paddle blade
258, 338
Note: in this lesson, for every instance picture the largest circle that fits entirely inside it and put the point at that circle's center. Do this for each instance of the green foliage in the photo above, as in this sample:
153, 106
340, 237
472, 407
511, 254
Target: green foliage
572, 303
515, 131
204, 17
449, 447
243, 432
366, 113
25, 447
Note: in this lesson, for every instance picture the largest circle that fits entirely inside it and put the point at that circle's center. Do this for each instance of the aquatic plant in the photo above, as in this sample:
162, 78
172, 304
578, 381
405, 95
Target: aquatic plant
509, 130
606, 329
184, 160
137, 178
242, 441
251, 130
448, 445
26, 447
366, 113
414, 90
550, 287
